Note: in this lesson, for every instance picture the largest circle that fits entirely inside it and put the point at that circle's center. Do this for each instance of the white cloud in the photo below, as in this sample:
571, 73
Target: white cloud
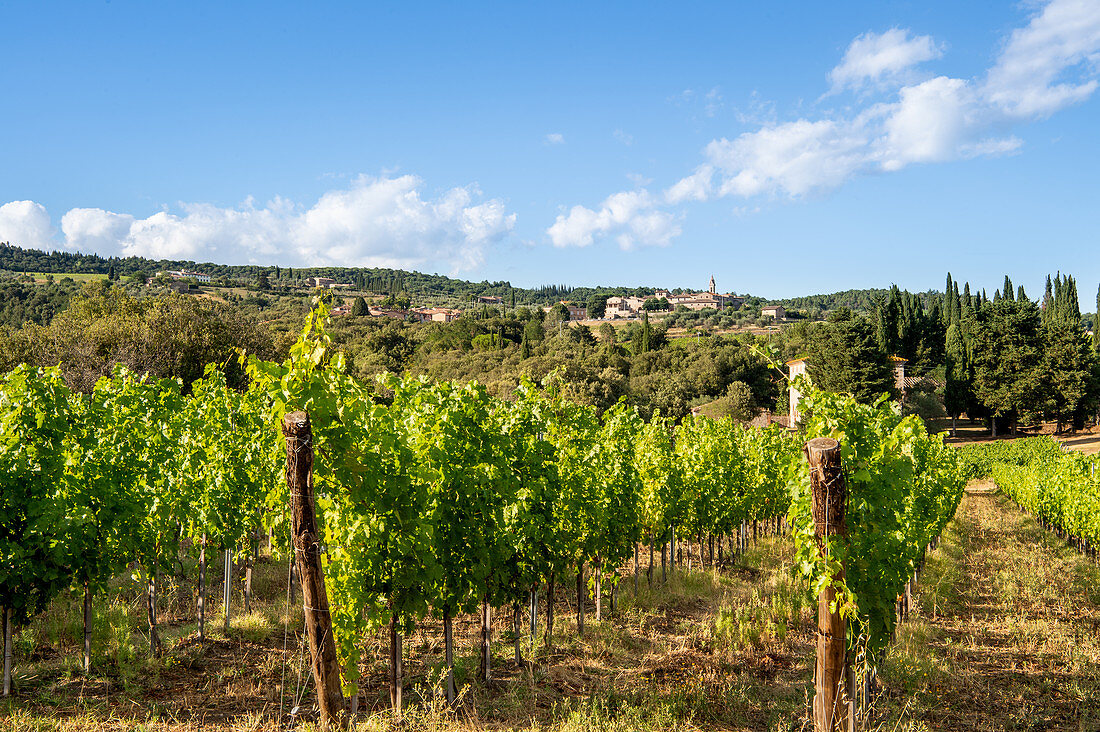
712, 102
902, 119
1028, 79
695, 187
929, 123
879, 57
27, 224
796, 158
623, 137
380, 222
630, 217
931, 120
555, 138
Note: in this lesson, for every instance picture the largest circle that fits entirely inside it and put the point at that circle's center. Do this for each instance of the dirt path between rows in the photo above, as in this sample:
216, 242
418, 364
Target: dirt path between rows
1007, 635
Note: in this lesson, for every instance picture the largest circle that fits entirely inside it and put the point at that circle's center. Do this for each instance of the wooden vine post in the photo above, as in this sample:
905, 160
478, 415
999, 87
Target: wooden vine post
396, 671
87, 628
486, 637
448, 652
829, 501
581, 592
202, 590
303, 525
6, 614
227, 584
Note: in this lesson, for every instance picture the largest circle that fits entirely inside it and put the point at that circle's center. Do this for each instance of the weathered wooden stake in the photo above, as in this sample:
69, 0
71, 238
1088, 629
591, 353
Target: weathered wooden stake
303, 527
249, 561
671, 556
649, 571
396, 676
829, 501
550, 612
448, 655
227, 586
202, 590
486, 638
636, 570
87, 628
599, 590
517, 625
533, 613
580, 598
151, 609
7, 618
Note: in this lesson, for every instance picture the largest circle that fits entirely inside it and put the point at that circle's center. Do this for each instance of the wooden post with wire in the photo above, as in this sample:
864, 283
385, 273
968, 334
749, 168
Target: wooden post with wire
303, 525
829, 501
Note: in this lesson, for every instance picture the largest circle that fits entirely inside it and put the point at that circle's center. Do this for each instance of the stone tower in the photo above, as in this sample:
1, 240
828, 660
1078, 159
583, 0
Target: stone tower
712, 290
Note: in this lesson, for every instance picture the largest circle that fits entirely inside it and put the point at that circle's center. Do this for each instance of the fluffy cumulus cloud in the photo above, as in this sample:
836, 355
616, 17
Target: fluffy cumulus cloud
26, 223
900, 115
873, 58
375, 222
796, 157
630, 217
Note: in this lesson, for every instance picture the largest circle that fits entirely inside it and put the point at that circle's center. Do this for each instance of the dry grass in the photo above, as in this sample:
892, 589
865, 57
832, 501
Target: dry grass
661, 661
1007, 632
1005, 636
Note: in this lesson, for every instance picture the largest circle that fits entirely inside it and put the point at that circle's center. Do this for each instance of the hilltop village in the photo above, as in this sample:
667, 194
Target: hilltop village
615, 307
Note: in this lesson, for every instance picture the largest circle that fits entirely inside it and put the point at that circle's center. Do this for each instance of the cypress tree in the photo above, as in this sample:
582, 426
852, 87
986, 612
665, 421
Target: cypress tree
1096, 324
950, 316
1007, 289
1020, 294
1073, 307
956, 391
1048, 301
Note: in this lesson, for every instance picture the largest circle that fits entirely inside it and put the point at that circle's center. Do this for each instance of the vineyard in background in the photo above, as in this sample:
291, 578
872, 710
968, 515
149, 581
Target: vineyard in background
1061, 489
439, 500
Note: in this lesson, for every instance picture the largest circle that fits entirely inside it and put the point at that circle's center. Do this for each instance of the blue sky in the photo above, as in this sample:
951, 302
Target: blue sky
787, 149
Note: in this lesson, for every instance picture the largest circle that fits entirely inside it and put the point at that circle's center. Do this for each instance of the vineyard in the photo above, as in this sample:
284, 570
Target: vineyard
1059, 488
437, 503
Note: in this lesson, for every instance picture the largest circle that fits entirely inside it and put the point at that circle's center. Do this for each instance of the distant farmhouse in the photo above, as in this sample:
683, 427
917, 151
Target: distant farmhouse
774, 311
490, 300
797, 367
183, 274
623, 307
576, 312
435, 315
326, 283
